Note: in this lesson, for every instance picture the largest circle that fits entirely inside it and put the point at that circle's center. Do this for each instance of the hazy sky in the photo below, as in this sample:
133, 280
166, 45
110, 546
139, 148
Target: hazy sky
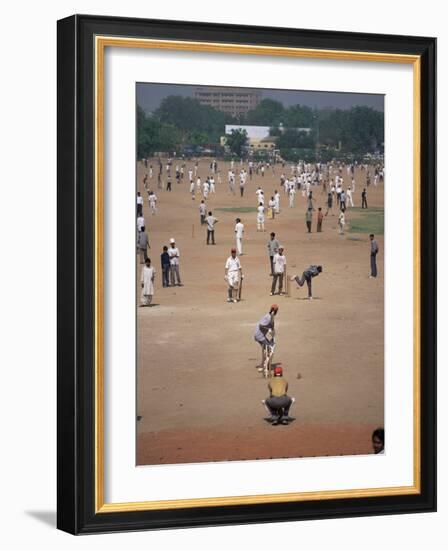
149, 97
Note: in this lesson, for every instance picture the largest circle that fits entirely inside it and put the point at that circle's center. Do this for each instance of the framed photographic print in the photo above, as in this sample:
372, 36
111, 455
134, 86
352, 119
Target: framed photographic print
246, 274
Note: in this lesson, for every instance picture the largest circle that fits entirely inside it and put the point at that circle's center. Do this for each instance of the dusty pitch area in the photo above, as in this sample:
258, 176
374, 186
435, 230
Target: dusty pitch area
198, 391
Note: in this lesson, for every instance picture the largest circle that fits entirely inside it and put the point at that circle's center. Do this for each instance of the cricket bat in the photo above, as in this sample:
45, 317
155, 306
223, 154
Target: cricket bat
286, 283
240, 287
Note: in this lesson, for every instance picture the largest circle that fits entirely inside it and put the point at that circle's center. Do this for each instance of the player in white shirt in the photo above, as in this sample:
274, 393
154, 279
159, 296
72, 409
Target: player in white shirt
192, 190
140, 223
139, 204
239, 233
277, 202
231, 181
190, 175
259, 192
292, 196
152, 202
260, 217
212, 185
279, 263
349, 197
198, 186
174, 255
205, 189
233, 273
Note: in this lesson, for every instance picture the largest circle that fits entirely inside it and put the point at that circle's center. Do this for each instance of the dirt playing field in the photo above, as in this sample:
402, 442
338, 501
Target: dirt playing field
198, 391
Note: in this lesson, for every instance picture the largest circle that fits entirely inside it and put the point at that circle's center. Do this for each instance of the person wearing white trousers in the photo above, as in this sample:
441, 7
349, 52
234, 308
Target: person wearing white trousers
239, 233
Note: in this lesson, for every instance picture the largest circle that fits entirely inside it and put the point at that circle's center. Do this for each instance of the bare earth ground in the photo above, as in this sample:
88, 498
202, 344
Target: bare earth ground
198, 391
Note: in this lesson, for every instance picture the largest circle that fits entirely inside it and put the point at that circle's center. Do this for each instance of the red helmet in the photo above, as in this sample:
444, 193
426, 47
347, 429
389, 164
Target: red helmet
278, 371
274, 307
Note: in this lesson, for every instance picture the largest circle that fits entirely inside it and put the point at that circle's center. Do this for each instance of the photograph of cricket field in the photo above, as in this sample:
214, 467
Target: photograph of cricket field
228, 367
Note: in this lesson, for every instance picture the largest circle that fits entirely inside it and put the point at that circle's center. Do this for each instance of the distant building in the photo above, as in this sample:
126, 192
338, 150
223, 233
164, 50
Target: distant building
234, 101
258, 137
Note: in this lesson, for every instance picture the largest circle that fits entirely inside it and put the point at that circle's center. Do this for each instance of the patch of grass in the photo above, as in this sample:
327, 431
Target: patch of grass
370, 220
241, 210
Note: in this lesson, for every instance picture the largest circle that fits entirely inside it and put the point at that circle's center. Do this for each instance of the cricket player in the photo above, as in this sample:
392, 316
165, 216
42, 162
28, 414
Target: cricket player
307, 275
239, 233
292, 195
273, 245
260, 217
147, 282
279, 271
264, 335
232, 275
152, 202
202, 211
174, 255
139, 204
341, 222
143, 245
278, 404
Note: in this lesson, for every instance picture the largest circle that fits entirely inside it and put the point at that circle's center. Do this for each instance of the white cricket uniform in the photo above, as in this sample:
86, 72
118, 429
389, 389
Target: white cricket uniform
140, 223
152, 203
292, 194
277, 203
279, 263
239, 232
233, 266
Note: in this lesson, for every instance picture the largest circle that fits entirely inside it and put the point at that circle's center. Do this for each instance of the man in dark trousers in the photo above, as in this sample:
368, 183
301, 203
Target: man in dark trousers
364, 198
373, 252
165, 261
307, 275
278, 404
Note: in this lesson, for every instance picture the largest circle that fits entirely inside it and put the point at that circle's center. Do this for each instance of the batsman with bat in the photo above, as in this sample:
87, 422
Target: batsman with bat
233, 277
264, 335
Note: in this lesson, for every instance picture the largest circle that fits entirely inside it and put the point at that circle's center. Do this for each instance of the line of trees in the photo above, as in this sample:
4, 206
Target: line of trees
182, 121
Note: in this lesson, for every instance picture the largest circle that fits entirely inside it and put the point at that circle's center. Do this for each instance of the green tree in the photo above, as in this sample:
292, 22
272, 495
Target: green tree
267, 113
237, 140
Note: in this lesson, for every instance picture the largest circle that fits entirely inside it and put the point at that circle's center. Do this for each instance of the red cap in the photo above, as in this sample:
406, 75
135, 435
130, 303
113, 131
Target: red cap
278, 371
274, 307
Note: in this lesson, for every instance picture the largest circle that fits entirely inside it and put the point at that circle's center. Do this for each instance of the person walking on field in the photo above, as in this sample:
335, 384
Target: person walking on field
260, 217
152, 202
165, 262
140, 223
139, 204
174, 255
273, 246
239, 233
341, 222
143, 245
279, 271
307, 275
264, 335
329, 204
373, 252
232, 275
320, 219
278, 404
350, 197
211, 221
364, 198
202, 211
147, 282
292, 195
309, 219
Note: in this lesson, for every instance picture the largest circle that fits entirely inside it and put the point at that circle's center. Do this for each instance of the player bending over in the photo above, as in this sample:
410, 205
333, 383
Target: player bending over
307, 275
